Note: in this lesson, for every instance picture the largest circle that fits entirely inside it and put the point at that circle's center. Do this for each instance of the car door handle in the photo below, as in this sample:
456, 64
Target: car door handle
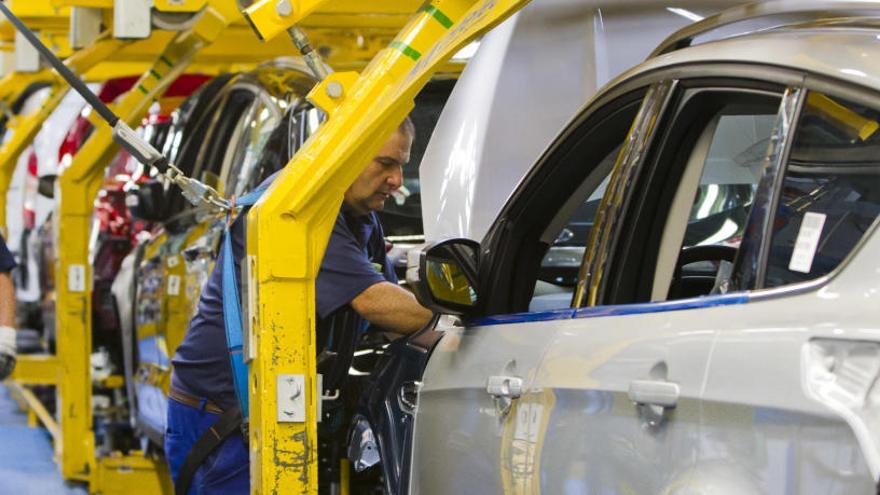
655, 393
505, 387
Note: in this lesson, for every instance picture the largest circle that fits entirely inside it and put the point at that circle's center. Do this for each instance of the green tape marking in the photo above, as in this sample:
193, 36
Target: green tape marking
156, 75
438, 15
406, 50
165, 61
143, 89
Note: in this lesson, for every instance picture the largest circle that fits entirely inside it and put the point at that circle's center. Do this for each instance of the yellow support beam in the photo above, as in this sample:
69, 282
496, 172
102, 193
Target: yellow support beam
133, 473
287, 231
36, 369
79, 184
35, 409
49, 21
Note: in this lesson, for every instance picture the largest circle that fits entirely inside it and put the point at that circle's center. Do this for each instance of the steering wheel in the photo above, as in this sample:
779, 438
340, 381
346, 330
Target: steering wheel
697, 285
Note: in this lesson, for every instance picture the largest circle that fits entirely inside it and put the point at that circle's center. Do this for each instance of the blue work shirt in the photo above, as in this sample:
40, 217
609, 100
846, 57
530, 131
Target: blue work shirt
354, 260
7, 262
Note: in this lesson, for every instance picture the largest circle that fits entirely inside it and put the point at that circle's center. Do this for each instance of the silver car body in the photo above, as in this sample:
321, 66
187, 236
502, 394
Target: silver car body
758, 391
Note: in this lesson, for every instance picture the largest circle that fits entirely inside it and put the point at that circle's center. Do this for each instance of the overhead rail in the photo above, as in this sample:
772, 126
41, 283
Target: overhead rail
765, 15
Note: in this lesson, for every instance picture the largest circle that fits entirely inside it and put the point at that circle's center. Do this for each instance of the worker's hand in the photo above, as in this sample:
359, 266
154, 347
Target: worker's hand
7, 351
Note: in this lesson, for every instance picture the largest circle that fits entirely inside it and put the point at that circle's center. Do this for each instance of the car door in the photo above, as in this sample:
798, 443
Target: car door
470, 420
615, 405
799, 417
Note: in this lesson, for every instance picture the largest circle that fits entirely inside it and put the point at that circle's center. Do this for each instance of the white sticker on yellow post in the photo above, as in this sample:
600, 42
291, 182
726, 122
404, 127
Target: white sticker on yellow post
76, 278
807, 243
174, 285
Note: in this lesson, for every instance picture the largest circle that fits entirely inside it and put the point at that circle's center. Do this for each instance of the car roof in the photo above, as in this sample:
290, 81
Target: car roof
844, 50
827, 37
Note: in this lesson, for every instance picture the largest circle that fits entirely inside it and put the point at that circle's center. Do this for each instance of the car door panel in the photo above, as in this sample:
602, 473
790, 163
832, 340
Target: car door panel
458, 417
598, 440
799, 419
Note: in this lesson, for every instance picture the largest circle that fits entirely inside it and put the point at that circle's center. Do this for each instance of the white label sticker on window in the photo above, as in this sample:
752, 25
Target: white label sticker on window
173, 285
76, 278
807, 243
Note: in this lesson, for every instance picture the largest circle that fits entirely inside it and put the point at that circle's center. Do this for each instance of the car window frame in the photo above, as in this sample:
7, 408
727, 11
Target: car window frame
210, 156
851, 92
234, 155
621, 286
785, 77
505, 243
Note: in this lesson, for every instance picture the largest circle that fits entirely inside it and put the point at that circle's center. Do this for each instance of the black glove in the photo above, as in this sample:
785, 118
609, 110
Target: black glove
7, 352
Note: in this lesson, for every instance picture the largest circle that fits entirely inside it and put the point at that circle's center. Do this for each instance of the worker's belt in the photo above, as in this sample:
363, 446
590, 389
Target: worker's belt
193, 401
220, 430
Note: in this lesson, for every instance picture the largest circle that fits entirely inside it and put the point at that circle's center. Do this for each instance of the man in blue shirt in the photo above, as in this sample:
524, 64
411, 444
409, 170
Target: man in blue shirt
7, 312
355, 277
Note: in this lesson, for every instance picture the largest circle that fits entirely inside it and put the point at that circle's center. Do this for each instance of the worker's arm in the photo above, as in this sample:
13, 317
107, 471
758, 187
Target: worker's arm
7, 322
391, 307
7, 301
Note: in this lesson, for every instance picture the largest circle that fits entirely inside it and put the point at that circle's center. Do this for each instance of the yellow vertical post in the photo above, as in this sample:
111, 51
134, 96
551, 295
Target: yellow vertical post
79, 184
289, 228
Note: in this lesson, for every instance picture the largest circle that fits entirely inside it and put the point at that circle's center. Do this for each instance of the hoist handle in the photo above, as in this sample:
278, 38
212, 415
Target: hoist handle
140, 149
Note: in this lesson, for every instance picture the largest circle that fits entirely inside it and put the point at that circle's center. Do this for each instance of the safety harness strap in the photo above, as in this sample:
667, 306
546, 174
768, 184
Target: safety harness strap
232, 307
227, 423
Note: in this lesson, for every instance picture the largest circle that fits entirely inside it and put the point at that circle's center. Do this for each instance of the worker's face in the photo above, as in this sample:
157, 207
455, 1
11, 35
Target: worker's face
383, 176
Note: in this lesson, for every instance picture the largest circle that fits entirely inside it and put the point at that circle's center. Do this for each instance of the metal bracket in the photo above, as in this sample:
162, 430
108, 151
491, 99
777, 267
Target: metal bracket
27, 58
131, 19
85, 26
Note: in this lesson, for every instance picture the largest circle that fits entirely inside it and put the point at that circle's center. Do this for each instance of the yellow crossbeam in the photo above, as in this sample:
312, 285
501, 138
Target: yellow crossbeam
36, 369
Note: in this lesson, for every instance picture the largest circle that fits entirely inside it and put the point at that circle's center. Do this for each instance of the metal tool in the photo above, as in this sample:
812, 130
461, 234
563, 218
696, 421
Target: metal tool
193, 190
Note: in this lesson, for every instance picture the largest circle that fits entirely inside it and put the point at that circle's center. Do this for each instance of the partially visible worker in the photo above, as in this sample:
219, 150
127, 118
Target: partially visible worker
7, 312
355, 277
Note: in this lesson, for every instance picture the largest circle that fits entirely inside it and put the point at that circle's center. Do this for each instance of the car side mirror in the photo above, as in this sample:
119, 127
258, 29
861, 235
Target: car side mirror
443, 275
46, 186
146, 200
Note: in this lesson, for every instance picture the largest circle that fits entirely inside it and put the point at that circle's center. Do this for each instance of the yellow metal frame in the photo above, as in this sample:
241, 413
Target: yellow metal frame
79, 184
301, 207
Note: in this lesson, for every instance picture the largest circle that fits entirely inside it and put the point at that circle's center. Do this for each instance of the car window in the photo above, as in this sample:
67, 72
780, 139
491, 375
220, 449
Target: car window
249, 139
237, 104
830, 192
558, 274
709, 216
558, 203
687, 206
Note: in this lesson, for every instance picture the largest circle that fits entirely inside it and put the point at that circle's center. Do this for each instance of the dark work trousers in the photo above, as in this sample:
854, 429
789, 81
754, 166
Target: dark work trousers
226, 471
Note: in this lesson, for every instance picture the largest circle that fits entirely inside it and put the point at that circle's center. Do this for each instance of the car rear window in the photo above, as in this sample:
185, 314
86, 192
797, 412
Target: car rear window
830, 193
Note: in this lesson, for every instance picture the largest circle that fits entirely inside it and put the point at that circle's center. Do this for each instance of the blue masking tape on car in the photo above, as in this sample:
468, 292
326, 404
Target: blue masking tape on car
615, 310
